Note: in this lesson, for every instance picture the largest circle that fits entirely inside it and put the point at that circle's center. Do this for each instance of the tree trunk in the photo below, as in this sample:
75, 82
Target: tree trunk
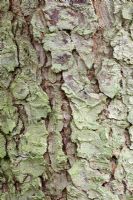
66, 100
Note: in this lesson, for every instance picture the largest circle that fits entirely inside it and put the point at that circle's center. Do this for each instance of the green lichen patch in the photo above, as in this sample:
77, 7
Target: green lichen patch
30, 189
123, 47
39, 25
19, 89
27, 54
131, 30
2, 146
58, 41
127, 85
89, 180
22, 167
28, 6
127, 11
4, 5
109, 78
8, 63
125, 167
94, 146
131, 136
117, 110
57, 156
84, 47
77, 85
130, 116
34, 142
60, 18
8, 52
81, 19
8, 119
85, 117
75, 194
9, 59
60, 45
56, 183
96, 150
61, 61
85, 106
37, 105
79, 174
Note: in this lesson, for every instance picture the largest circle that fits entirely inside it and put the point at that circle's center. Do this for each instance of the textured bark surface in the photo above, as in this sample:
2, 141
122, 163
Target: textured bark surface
66, 100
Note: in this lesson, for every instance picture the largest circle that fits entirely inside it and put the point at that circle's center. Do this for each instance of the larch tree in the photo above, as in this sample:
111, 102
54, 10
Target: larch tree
66, 100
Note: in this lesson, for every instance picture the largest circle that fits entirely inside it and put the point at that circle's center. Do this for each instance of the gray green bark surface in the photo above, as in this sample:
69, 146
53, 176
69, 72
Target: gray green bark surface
66, 100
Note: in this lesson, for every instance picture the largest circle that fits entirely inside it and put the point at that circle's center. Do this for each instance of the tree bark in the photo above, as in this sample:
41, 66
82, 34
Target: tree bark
66, 100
